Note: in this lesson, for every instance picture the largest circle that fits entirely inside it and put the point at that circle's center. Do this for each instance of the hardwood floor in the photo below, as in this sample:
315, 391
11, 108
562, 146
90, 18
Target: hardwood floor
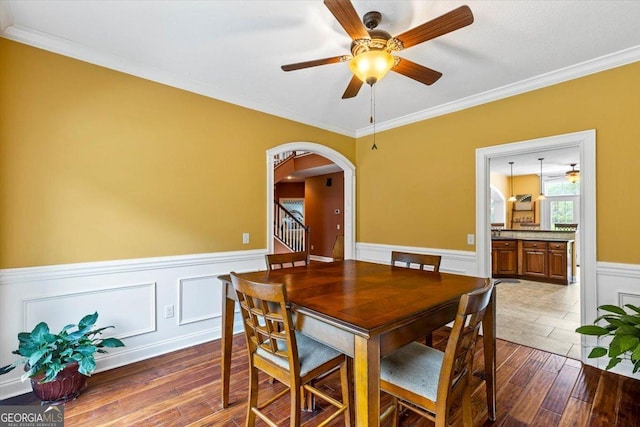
535, 388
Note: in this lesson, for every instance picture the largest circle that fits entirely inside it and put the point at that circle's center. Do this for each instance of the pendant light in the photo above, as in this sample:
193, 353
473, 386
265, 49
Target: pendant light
573, 175
512, 198
541, 196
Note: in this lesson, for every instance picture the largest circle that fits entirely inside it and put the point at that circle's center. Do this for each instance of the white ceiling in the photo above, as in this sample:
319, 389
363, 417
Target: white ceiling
233, 50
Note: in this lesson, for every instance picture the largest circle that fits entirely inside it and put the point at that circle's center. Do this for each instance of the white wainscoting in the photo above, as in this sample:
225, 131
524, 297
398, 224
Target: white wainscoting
132, 295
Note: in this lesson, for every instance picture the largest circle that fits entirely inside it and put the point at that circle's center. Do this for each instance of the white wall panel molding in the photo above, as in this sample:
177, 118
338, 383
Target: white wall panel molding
136, 314
457, 262
199, 298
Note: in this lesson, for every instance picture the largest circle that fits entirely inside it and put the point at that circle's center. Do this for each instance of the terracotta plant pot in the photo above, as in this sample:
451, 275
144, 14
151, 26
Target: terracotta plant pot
67, 386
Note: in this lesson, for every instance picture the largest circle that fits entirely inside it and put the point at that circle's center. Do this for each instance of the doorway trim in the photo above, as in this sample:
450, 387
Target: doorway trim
585, 142
343, 163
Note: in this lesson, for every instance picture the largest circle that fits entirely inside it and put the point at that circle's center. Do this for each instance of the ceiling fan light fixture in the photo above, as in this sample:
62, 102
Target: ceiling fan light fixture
573, 175
371, 66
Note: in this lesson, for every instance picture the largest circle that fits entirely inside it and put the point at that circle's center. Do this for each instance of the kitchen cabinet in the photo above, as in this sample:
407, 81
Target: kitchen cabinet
540, 260
534, 259
559, 259
504, 258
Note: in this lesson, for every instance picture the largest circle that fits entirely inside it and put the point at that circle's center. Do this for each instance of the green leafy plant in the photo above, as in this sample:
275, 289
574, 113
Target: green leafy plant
624, 327
44, 353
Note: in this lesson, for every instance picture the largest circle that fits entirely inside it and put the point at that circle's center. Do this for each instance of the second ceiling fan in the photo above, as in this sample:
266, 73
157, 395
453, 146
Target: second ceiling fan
371, 48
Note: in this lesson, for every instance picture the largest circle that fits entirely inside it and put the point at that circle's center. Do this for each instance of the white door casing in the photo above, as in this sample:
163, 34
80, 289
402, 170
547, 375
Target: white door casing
585, 142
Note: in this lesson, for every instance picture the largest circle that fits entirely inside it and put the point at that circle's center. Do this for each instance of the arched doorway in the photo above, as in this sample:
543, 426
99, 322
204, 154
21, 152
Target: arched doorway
343, 163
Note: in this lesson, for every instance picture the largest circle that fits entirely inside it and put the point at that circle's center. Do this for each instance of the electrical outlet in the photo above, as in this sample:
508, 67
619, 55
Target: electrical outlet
471, 239
168, 311
245, 238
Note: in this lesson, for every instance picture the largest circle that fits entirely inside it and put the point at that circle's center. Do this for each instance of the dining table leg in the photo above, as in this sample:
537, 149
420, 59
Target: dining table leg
489, 342
367, 380
228, 307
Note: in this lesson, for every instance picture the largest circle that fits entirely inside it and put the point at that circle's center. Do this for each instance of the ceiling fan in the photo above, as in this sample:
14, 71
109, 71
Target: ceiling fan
371, 48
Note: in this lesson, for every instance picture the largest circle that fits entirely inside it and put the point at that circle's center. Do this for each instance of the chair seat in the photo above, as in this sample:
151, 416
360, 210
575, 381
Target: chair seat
414, 367
311, 354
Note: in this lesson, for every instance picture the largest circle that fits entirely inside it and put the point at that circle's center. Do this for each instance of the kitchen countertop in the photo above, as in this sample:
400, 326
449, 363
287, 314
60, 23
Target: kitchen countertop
539, 235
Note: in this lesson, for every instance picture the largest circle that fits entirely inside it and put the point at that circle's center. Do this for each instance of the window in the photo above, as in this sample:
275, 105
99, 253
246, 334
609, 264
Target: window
562, 202
560, 187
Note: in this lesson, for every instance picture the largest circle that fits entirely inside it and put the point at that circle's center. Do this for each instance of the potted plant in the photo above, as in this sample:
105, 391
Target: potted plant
624, 327
59, 364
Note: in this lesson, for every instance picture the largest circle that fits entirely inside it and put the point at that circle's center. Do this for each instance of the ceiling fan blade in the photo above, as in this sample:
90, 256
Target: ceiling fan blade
417, 72
450, 21
354, 87
348, 18
314, 63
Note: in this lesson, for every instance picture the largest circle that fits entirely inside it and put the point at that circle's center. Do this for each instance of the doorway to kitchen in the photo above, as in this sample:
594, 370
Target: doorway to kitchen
584, 142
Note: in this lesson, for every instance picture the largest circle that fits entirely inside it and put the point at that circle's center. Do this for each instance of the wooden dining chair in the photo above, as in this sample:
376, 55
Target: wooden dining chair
285, 260
423, 261
427, 381
292, 358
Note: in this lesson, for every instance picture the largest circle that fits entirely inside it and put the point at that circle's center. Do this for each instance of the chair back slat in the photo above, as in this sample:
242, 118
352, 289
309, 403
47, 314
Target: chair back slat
286, 260
423, 261
267, 322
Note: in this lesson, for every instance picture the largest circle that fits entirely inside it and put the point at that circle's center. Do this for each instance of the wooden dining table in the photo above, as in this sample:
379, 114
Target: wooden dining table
366, 310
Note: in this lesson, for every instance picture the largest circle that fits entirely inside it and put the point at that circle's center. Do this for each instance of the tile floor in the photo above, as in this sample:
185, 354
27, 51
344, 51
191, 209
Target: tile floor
539, 315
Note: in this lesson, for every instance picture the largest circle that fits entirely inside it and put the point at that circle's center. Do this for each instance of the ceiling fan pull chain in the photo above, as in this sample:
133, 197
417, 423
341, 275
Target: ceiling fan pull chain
372, 118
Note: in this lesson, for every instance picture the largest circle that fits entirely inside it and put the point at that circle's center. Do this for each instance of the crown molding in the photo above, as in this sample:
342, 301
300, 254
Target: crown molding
616, 59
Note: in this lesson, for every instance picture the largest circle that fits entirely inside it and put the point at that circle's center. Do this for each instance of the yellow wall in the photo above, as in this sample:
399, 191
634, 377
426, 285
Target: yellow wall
100, 165
418, 188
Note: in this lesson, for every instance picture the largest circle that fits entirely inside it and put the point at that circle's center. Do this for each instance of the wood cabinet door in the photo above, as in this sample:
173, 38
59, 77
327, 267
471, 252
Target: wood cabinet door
507, 262
558, 265
504, 258
534, 262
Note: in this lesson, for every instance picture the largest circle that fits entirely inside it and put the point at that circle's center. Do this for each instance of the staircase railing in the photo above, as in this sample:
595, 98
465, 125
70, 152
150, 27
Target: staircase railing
278, 159
290, 230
